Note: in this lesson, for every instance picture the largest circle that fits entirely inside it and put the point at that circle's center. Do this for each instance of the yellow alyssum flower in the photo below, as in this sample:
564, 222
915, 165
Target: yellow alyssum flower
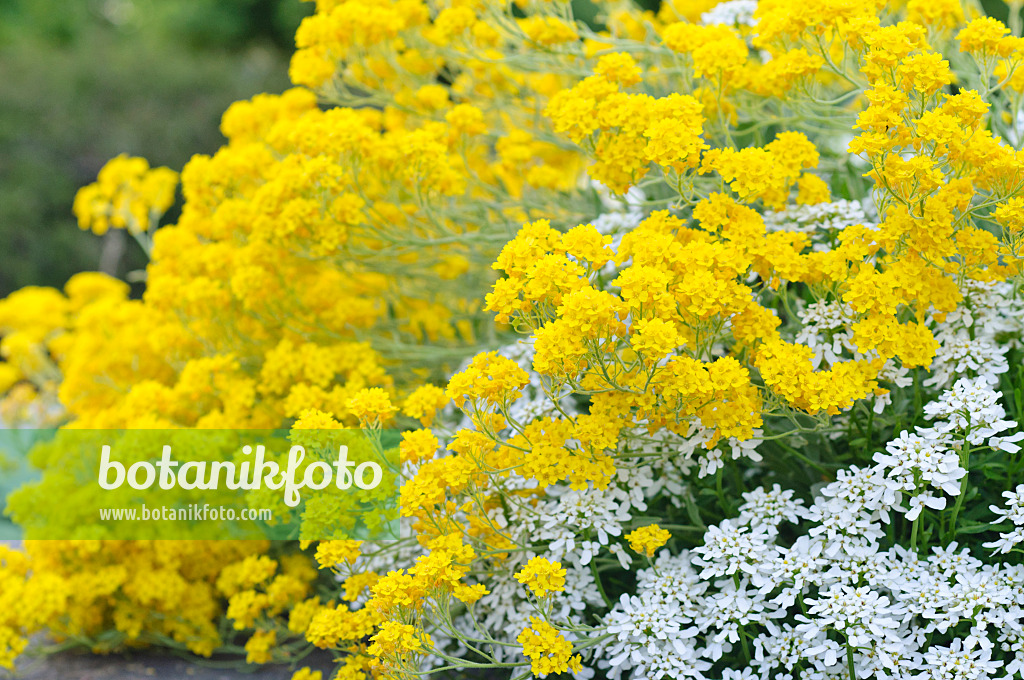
260, 647
618, 67
418, 445
127, 195
646, 540
332, 625
547, 649
655, 338
372, 406
547, 30
251, 571
987, 36
424, 402
332, 553
542, 576
12, 644
394, 638
1011, 214
490, 377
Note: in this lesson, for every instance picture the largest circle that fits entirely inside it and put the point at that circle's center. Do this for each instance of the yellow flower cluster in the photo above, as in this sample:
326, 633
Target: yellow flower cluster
626, 132
547, 649
334, 264
127, 195
138, 593
316, 247
646, 540
35, 341
542, 576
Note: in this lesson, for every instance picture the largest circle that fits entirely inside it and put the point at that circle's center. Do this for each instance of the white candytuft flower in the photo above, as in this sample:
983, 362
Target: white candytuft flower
731, 13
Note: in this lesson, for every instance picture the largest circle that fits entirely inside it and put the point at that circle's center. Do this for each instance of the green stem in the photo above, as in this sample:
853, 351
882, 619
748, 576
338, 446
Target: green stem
600, 586
871, 424
720, 492
965, 456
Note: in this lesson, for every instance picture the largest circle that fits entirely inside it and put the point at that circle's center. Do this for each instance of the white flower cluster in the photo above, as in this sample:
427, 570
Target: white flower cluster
825, 328
820, 220
975, 338
1014, 513
829, 597
731, 13
832, 599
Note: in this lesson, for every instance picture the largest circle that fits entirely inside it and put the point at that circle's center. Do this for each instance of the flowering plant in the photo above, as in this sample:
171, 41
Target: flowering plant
762, 419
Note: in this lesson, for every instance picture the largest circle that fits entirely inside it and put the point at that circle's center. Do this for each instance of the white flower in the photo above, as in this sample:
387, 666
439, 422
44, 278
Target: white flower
599, 513
1014, 504
1014, 513
959, 354
826, 329
791, 570
972, 407
1006, 443
919, 502
784, 646
730, 548
724, 612
952, 560
860, 614
770, 507
819, 218
673, 580
965, 659
643, 627
731, 13
620, 554
928, 456
1006, 541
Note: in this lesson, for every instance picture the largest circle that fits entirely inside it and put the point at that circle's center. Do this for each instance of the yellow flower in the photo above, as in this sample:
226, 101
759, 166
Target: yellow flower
466, 119
1011, 214
655, 338
547, 30
128, 194
646, 540
987, 36
395, 638
812, 190
332, 553
424, 402
542, 576
547, 649
490, 377
11, 645
469, 594
618, 67
372, 406
259, 648
418, 445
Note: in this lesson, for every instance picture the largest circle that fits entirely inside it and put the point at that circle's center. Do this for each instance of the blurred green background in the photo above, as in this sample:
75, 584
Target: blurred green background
84, 80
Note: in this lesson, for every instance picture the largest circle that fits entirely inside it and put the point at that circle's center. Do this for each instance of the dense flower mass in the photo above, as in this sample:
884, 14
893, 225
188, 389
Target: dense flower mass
704, 327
